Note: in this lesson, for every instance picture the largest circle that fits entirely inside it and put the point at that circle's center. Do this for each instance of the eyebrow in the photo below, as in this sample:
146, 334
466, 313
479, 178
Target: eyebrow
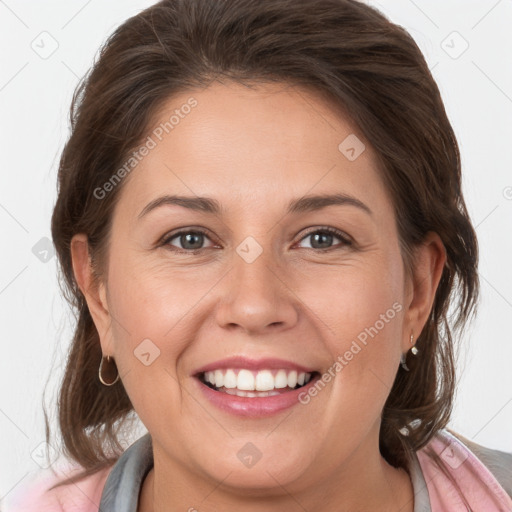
212, 206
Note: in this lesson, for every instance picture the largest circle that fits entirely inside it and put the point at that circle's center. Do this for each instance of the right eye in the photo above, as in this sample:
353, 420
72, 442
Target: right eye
191, 240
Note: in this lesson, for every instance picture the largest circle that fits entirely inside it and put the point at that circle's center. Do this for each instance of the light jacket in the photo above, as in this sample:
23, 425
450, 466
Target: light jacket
467, 477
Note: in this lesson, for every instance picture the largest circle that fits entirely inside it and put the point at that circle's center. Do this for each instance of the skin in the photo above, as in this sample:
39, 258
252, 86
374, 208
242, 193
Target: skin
254, 150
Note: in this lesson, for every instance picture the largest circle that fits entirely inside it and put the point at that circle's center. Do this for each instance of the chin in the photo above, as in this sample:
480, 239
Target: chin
268, 474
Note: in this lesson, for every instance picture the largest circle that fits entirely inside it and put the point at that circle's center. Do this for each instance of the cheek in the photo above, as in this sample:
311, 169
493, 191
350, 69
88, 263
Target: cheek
150, 332
147, 327
362, 332
156, 313
150, 301
362, 300
361, 311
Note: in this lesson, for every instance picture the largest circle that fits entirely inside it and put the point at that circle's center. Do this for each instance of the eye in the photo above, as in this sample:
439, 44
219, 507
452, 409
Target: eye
323, 237
191, 241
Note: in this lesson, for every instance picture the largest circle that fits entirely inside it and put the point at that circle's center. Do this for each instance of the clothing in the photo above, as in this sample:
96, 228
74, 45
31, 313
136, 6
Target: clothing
116, 488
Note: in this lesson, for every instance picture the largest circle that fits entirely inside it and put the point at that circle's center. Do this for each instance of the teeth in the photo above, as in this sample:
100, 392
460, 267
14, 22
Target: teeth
281, 379
236, 392
245, 381
219, 378
292, 379
264, 381
230, 379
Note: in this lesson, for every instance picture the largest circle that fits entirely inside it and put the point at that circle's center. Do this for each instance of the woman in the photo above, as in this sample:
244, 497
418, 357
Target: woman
297, 355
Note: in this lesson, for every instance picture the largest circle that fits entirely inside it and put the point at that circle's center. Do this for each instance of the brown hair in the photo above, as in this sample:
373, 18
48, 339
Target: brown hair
342, 49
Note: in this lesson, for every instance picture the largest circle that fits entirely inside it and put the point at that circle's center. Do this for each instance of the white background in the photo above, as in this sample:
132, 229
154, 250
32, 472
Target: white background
35, 94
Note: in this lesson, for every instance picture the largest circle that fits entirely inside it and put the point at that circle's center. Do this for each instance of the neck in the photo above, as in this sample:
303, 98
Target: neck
367, 485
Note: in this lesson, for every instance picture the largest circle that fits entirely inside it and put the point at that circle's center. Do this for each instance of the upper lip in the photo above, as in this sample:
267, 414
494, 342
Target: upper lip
253, 364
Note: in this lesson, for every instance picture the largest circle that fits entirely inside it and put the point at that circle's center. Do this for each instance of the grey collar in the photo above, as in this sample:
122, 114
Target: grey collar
122, 487
419, 486
123, 484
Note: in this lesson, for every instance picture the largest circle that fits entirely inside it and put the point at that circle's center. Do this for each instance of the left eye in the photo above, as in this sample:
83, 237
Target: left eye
325, 235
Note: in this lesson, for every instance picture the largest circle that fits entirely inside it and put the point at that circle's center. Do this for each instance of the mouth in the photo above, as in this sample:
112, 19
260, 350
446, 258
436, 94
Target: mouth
255, 388
243, 382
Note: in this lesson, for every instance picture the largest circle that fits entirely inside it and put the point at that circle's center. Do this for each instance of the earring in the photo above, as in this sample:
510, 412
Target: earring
414, 350
110, 369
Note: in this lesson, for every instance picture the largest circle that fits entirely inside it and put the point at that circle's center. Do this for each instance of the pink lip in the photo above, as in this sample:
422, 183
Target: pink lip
255, 406
253, 364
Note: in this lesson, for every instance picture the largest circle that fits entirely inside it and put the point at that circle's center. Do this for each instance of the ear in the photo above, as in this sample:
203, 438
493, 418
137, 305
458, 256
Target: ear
94, 292
428, 261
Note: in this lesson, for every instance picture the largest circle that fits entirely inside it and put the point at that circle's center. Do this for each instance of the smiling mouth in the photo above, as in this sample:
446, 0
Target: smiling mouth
254, 384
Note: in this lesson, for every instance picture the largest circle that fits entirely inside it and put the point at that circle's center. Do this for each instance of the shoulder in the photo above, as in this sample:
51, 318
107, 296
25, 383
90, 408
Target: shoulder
34, 493
460, 472
498, 462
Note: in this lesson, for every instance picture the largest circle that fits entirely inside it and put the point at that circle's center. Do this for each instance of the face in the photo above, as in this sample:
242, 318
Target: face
256, 292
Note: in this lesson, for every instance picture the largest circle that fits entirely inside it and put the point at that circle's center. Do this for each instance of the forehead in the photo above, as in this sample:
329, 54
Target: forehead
252, 146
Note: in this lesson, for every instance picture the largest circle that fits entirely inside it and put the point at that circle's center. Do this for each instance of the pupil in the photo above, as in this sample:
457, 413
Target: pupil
186, 238
322, 236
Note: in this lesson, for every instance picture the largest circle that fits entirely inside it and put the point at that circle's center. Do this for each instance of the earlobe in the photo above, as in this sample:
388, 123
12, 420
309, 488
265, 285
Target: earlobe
93, 292
429, 262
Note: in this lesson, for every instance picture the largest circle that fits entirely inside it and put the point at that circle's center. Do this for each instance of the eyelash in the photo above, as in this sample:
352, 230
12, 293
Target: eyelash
332, 231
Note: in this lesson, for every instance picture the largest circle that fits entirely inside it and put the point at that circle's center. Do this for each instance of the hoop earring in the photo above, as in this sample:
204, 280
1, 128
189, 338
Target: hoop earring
111, 368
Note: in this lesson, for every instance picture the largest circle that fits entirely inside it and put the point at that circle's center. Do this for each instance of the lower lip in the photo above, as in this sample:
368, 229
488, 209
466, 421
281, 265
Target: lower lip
255, 406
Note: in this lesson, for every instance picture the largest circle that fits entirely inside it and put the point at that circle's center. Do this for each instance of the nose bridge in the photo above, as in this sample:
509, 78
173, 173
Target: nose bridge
254, 269
256, 295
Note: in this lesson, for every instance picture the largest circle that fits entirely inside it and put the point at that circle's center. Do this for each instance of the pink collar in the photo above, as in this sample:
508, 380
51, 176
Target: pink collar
480, 489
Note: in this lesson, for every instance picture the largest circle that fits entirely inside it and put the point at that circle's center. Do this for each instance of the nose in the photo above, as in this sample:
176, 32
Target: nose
256, 297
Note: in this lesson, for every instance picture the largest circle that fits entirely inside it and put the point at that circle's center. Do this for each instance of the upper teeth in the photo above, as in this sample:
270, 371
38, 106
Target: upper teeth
263, 380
